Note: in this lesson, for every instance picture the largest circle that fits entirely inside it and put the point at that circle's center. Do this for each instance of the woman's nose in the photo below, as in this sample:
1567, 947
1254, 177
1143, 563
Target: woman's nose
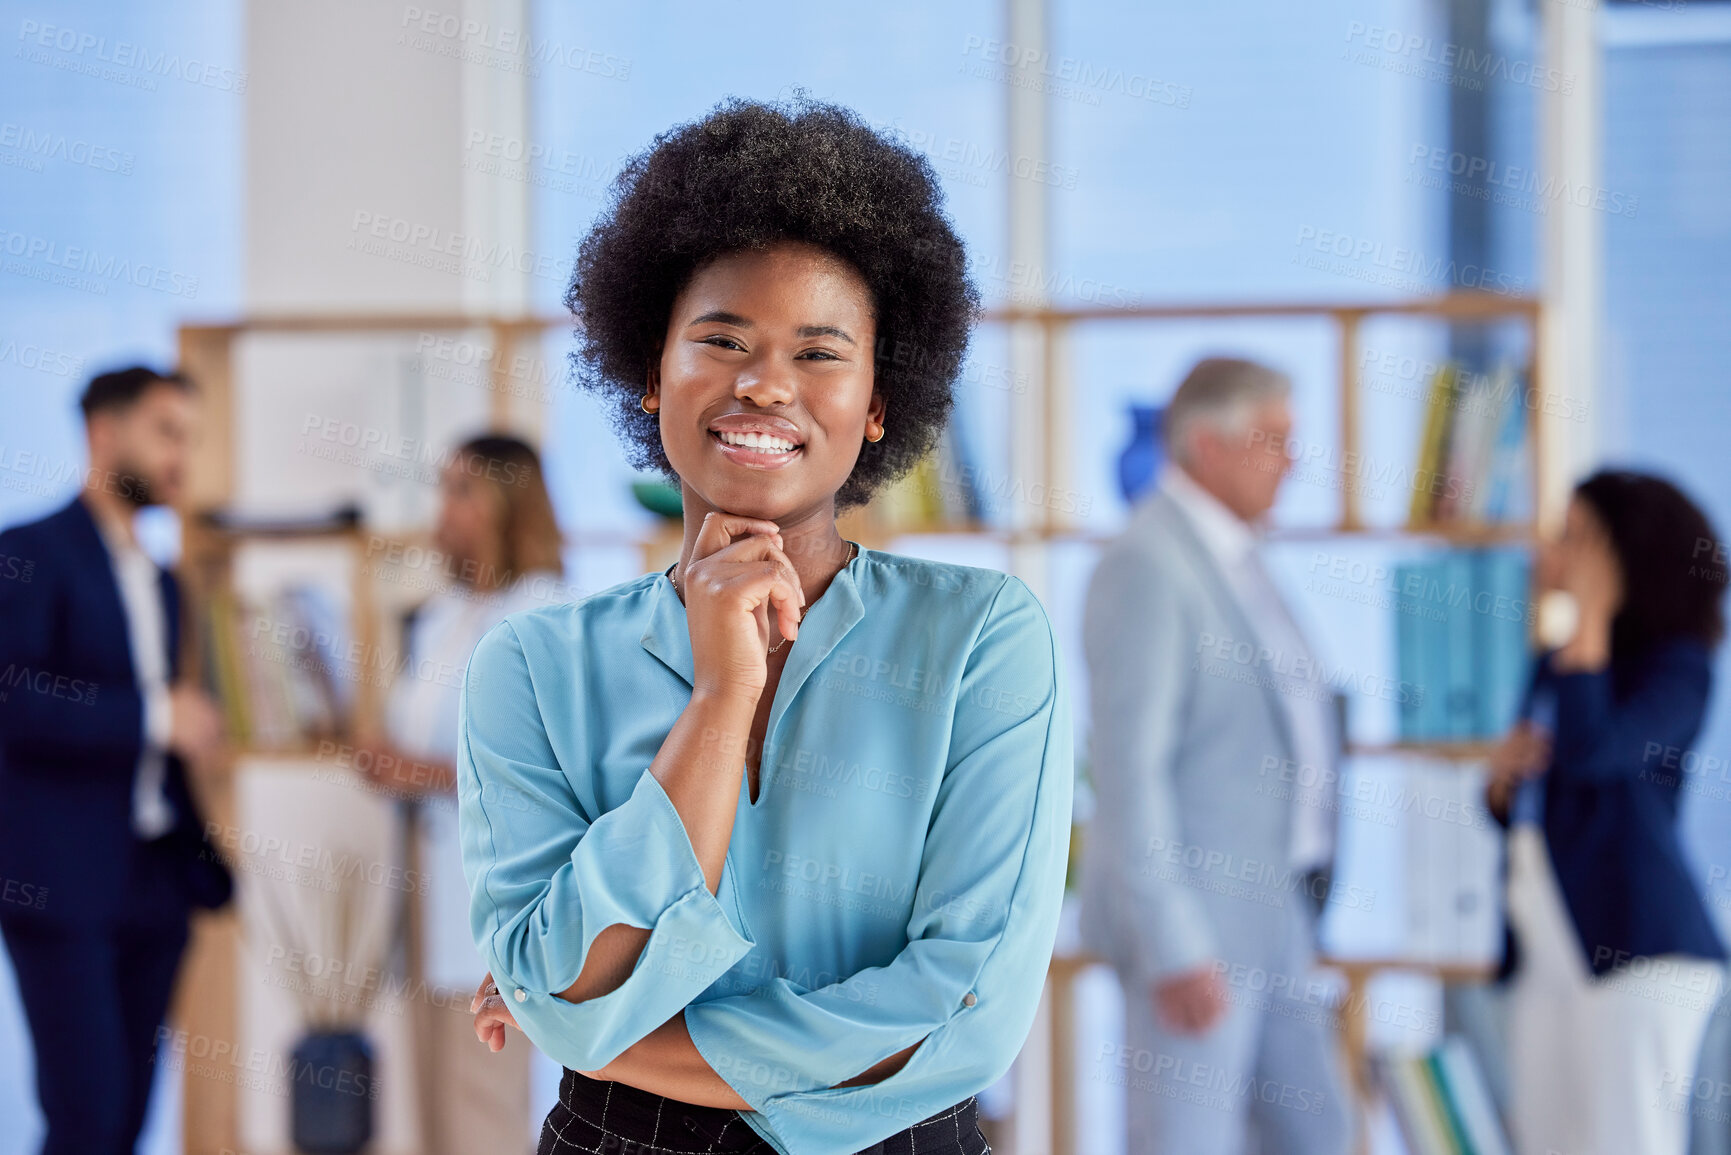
765, 385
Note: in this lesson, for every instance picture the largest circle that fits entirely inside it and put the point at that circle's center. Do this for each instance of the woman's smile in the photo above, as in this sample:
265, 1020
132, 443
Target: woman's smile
754, 451
757, 442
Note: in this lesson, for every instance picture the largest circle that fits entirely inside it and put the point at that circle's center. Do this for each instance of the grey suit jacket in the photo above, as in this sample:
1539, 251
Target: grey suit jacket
1186, 858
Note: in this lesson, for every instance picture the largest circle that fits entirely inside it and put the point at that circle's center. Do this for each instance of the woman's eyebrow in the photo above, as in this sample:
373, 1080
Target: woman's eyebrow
824, 331
721, 316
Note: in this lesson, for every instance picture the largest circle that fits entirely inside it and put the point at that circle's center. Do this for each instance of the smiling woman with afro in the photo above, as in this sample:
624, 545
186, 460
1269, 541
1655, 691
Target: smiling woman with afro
744, 177
767, 849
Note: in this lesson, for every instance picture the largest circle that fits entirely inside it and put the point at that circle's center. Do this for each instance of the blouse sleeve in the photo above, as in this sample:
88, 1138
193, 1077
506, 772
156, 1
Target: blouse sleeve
986, 904
545, 878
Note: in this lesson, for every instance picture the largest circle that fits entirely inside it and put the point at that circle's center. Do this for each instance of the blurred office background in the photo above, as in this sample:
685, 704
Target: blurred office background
353, 223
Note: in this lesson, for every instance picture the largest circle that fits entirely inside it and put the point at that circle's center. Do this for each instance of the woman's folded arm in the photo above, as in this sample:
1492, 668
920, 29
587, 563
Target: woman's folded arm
666, 1062
546, 880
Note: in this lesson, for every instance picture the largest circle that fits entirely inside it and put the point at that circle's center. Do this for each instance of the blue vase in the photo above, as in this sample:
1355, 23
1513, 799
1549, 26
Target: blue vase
1139, 463
331, 1100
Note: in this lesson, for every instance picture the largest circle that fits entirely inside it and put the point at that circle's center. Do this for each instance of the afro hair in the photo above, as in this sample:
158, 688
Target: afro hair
745, 177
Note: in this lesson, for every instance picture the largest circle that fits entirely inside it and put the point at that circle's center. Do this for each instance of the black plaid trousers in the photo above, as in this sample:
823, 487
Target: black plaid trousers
596, 1117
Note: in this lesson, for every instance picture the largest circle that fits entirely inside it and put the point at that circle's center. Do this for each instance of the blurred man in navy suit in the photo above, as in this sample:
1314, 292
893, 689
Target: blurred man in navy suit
102, 851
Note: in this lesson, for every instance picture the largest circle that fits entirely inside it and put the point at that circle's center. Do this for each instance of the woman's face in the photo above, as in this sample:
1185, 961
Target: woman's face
1582, 556
468, 526
765, 381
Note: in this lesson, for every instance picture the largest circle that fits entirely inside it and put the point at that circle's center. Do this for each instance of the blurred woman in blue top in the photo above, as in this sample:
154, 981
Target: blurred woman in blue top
767, 849
1616, 960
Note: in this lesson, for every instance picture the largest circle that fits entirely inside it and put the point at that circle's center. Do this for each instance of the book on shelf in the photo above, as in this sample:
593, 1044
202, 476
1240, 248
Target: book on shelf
272, 666
1466, 1087
1503, 643
1441, 1102
1448, 1110
1440, 1133
1462, 645
942, 490
1419, 709
1472, 450
1402, 1104
1461, 651
1452, 870
1506, 490
1473, 425
224, 675
1433, 440
1424, 857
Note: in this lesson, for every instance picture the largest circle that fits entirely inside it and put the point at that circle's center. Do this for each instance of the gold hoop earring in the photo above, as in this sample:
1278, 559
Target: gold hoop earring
643, 404
880, 435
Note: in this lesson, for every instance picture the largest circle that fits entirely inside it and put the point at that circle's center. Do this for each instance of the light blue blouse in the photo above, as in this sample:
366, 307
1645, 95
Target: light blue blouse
898, 879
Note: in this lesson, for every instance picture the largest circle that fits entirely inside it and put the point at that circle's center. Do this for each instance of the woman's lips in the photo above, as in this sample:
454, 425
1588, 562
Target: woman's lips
754, 458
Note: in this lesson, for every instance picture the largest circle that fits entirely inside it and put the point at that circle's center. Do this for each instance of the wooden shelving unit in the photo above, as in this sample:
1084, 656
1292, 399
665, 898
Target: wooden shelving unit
208, 999
207, 1003
1449, 751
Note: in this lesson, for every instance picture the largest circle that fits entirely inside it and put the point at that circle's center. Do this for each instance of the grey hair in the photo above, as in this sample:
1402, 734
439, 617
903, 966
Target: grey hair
1219, 393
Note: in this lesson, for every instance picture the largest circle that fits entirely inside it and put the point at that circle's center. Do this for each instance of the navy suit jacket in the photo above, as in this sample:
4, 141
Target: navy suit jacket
1611, 800
72, 730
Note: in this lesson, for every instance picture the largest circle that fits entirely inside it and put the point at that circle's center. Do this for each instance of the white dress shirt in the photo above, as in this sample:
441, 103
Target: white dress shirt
1235, 547
421, 715
140, 581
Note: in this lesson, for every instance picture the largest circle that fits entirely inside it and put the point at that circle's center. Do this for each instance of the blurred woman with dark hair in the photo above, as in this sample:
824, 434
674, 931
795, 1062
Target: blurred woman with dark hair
497, 550
1619, 961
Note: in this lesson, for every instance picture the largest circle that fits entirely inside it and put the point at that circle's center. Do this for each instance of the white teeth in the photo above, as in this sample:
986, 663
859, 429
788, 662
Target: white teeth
757, 441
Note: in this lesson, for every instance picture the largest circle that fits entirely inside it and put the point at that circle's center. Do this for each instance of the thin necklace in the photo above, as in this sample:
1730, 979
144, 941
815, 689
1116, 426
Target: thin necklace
853, 552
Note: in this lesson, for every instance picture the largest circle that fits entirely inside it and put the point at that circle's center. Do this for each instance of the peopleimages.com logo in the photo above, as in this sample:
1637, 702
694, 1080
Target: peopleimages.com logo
137, 65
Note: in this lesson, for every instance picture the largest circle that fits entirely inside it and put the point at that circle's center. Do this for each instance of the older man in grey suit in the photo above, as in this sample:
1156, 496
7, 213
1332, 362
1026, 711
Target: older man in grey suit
1214, 745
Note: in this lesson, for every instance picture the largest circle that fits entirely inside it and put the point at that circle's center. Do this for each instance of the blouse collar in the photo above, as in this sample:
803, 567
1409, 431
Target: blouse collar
827, 621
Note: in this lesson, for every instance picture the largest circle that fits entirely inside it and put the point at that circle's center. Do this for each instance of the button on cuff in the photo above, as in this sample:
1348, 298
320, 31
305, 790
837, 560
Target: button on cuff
522, 995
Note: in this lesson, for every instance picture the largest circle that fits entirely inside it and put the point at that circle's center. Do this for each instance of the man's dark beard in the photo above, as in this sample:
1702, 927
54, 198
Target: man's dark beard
132, 485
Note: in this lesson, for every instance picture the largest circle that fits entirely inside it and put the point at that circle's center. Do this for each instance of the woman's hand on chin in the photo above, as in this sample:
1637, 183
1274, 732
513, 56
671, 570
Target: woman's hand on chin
737, 576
